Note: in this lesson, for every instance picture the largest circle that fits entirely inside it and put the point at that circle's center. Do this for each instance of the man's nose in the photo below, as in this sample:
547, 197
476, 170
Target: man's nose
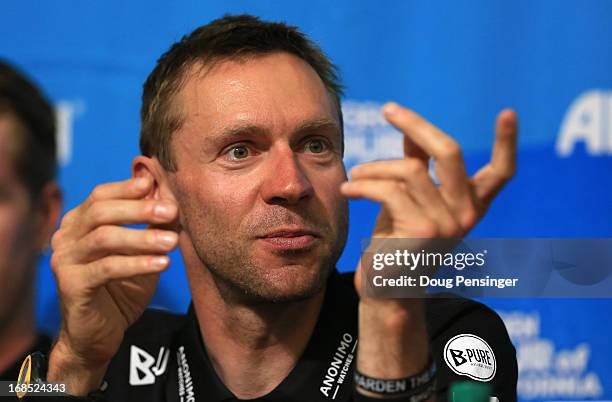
286, 181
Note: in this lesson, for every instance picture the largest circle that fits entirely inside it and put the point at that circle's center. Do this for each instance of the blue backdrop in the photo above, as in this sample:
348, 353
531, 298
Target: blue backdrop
456, 62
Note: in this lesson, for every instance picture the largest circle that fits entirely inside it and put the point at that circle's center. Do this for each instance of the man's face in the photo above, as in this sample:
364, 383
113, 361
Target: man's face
259, 167
17, 248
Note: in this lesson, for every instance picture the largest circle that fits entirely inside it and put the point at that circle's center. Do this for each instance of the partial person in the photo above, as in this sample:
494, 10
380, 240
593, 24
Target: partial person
241, 167
30, 205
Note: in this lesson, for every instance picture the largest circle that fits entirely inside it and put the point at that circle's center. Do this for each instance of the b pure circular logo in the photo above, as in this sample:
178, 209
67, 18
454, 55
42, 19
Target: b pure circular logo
470, 355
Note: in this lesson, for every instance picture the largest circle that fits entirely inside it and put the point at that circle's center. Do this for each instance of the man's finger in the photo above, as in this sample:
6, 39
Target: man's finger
117, 240
392, 169
492, 177
127, 212
503, 158
134, 188
420, 187
425, 135
450, 167
116, 267
390, 193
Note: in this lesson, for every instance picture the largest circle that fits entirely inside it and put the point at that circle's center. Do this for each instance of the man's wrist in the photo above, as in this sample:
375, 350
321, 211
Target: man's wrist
81, 377
393, 317
393, 339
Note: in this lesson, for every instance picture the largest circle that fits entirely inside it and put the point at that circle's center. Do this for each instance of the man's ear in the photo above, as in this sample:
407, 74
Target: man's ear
143, 166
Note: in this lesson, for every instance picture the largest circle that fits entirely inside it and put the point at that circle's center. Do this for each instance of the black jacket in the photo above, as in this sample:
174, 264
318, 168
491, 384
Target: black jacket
162, 357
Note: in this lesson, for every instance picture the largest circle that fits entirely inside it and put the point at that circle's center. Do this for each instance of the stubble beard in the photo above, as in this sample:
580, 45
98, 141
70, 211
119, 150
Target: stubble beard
242, 278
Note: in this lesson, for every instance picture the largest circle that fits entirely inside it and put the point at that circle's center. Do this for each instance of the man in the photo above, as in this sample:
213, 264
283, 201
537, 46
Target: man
30, 204
242, 168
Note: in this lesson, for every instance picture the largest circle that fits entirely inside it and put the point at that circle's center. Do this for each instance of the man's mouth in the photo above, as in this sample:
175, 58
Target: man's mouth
290, 238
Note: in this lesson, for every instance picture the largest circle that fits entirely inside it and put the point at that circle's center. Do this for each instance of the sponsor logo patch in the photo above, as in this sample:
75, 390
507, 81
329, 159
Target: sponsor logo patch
185, 381
144, 367
336, 374
470, 355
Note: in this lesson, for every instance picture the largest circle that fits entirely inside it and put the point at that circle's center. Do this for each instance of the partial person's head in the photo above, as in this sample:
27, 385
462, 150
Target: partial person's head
30, 201
242, 126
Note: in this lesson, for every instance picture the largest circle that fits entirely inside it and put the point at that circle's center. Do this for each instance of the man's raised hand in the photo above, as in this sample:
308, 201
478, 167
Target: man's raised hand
106, 275
413, 205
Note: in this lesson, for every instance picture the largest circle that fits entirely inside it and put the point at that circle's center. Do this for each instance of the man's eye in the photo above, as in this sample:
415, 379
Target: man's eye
316, 146
238, 152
